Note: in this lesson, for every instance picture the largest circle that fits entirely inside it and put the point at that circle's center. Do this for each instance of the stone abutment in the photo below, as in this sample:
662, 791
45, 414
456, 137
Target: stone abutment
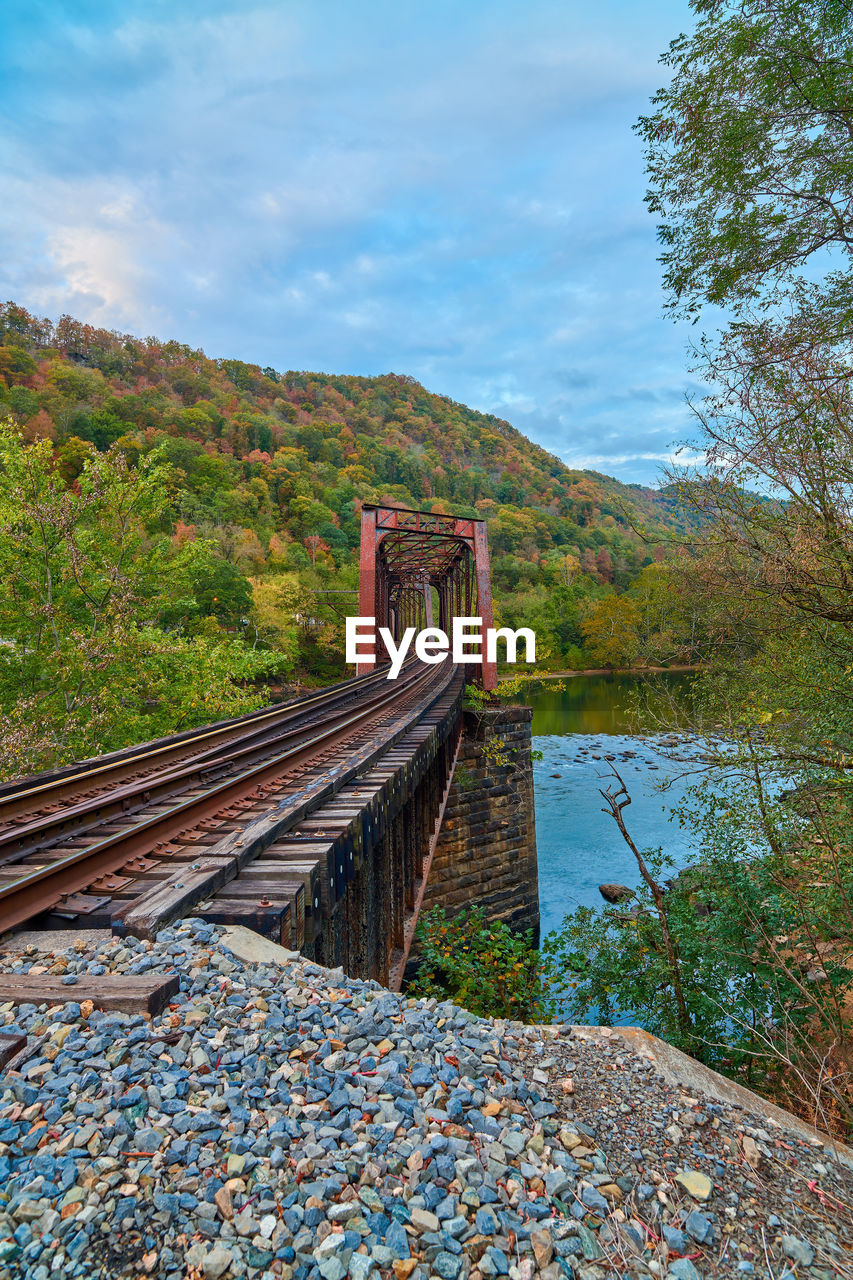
486, 851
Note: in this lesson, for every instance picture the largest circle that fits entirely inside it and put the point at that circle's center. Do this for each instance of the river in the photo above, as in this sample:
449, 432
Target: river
578, 846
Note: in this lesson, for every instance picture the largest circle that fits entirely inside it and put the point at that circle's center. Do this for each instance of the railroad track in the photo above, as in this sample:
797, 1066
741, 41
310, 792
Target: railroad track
24, 798
91, 842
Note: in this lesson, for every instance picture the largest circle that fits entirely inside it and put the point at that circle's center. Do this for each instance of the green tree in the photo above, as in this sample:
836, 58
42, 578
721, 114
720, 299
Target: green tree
610, 631
750, 148
750, 156
222, 591
16, 364
85, 665
671, 626
276, 603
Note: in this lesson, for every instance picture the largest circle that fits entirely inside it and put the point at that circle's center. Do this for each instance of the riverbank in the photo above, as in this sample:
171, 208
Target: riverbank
280, 1119
609, 671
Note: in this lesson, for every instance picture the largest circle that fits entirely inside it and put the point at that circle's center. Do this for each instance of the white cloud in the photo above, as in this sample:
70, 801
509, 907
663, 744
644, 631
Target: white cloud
449, 191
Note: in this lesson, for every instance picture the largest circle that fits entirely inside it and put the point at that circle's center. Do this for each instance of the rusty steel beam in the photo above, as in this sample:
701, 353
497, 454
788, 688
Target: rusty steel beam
484, 598
367, 575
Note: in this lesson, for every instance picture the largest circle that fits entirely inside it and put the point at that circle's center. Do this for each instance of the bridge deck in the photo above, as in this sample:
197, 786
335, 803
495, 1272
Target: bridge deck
290, 819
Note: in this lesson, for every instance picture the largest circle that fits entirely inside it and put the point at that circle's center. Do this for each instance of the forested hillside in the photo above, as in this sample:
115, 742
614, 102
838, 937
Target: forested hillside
271, 468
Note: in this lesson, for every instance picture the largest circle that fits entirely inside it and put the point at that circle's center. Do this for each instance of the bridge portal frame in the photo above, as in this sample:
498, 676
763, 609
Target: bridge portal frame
407, 553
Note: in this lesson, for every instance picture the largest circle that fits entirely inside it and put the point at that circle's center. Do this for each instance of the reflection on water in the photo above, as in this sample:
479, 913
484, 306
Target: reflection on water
601, 704
579, 846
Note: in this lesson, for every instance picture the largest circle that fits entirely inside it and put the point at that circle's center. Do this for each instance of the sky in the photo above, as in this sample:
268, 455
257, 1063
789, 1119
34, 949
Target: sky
450, 190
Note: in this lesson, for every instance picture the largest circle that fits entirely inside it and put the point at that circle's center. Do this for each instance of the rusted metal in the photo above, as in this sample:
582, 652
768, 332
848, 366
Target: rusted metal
80, 904
367, 577
49, 792
404, 555
42, 887
314, 821
484, 598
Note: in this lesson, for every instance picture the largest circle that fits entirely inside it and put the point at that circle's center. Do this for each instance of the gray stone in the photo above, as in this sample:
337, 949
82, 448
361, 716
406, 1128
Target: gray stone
455, 1226
798, 1250
486, 1221
397, 1240
557, 1183
676, 1239
332, 1267
683, 1269
594, 1200
423, 1220
615, 892
215, 1263
360, 1266
699, 1228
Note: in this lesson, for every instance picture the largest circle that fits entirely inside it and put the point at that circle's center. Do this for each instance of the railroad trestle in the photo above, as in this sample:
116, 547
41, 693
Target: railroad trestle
313, 822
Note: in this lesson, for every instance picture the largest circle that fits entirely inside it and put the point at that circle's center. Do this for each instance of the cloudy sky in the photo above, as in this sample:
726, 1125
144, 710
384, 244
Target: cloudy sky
445, 188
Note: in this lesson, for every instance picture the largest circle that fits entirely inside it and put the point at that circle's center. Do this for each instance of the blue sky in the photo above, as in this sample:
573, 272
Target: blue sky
447, 190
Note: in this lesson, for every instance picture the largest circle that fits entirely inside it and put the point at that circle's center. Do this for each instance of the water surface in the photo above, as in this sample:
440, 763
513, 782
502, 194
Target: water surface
601, 704
579, 846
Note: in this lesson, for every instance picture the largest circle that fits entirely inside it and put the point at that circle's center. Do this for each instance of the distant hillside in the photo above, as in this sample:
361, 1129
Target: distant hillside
274, 466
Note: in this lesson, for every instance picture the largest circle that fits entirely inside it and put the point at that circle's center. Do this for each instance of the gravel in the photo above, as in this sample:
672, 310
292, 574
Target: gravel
710, 1188
284, 1120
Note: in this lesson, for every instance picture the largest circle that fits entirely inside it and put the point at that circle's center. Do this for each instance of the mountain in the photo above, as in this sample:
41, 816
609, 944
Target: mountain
273, 467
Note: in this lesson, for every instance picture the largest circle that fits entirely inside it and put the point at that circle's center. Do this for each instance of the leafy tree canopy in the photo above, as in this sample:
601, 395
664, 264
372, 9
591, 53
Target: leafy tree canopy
750, 149
87, 663
271, 473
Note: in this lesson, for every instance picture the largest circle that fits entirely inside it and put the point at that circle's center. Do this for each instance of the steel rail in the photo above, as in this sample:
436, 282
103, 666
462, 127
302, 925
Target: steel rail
19, 795
49, 828
32, 893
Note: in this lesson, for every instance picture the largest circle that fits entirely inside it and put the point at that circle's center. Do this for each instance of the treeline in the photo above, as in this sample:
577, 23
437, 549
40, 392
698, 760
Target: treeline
744, 957
271, 470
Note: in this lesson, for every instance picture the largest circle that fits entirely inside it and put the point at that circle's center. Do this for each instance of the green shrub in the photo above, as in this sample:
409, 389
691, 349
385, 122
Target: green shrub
479, 964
